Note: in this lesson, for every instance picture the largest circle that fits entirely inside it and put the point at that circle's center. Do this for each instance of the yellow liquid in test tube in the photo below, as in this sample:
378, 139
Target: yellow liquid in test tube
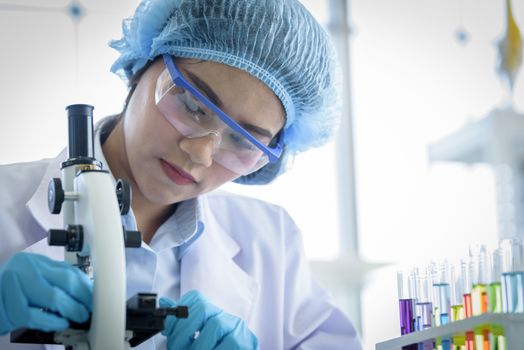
457, 314
479, 300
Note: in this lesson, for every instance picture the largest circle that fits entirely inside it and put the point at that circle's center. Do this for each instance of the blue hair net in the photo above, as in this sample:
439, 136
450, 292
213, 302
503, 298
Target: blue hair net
277, 41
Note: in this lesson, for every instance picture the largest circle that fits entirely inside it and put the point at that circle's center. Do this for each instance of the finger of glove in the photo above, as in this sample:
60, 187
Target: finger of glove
20, 313
181, 331
72, 281
38, 292
240, 339
45, 321
214, 330
57, 300
14, 301
34, 269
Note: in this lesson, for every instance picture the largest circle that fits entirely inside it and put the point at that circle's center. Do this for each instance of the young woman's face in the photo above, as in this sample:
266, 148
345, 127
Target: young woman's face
167, 167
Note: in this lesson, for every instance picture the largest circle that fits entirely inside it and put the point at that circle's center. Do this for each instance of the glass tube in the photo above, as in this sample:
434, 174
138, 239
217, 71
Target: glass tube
512, 275
497, 338
480, 269
466, 284
456, 296
406, 304
423, 306
441, 288
456, 306
465, 267
442, 291
494, 289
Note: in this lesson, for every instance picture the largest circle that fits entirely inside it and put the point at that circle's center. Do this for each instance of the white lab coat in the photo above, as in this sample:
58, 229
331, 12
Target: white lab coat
249, 261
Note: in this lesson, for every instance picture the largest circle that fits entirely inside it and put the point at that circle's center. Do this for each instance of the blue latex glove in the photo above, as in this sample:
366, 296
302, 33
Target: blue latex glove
39, 293
207, 327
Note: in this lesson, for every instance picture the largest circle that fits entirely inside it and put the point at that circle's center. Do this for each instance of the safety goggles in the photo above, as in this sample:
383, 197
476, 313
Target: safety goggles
194, 115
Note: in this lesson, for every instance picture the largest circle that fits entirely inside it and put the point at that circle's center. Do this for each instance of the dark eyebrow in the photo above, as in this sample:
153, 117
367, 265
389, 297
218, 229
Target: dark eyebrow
202, 85
257, 129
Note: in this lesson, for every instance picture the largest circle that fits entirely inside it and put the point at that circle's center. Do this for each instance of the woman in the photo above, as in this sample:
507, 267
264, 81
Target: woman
219, 91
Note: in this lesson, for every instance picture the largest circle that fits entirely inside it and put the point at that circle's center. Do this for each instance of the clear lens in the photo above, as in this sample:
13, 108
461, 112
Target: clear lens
193, 119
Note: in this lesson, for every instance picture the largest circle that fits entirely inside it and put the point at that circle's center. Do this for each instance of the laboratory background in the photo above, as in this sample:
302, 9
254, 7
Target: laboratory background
425, 165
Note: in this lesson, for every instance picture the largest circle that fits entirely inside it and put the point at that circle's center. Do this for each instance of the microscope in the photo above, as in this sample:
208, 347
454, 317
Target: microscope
94, 240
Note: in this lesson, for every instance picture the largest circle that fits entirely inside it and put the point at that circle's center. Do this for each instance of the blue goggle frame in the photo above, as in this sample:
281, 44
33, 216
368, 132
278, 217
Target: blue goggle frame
273, 153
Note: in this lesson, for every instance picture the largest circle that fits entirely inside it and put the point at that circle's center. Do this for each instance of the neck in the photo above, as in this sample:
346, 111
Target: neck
149, 216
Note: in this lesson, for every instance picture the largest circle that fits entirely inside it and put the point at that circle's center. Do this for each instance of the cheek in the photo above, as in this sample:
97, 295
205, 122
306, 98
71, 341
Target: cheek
218, 175
147, 130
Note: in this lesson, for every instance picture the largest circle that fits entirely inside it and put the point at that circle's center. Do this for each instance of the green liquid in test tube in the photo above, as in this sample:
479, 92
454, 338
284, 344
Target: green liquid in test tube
456, 295
480, 270
479, 295
494, 289
456, 307
497, 338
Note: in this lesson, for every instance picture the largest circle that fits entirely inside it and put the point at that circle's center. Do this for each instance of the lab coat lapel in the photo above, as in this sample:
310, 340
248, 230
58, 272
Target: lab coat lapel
208, 267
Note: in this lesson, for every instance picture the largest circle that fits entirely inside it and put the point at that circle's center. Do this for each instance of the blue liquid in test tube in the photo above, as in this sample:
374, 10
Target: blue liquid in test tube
512, 275
513, 290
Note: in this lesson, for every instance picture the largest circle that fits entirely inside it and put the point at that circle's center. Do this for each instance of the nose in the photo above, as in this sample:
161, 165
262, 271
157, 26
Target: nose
201, 148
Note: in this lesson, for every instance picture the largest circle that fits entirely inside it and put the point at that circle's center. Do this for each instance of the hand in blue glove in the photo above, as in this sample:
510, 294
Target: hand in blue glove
207, 327
39, 293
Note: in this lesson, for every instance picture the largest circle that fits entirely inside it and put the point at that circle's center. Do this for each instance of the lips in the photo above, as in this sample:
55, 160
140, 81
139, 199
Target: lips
176, 174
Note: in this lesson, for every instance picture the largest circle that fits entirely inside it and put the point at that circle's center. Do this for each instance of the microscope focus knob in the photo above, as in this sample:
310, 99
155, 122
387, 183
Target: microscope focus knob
123, 193
72, 238
55, 196
132, 239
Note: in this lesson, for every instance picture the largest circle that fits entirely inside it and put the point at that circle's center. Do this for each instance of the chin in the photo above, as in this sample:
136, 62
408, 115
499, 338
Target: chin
167, 197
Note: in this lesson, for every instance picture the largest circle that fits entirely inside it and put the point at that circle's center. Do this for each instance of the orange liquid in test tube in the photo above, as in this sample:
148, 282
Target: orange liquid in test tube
468, 312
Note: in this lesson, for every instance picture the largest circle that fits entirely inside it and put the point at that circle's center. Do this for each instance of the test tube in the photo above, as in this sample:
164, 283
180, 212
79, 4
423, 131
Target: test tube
512, 275
484, 339
406, 295
480, 272
406, 304
456, 296
456, 306
465, 267
497, 337
466, 285
495, 287
441, 291
423, 306
440, 276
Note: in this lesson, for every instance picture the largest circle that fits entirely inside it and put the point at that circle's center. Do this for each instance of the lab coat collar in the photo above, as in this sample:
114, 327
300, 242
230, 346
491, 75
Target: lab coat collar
208, 266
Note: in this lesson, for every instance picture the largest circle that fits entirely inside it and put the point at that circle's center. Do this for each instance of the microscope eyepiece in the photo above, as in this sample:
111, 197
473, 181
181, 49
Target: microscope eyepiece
80, 121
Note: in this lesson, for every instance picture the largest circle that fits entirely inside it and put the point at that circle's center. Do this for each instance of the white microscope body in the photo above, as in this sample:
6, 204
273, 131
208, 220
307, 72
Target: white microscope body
94, 240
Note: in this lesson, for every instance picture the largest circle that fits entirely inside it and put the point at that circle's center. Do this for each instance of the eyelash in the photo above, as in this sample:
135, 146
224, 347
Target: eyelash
242, 143
199, 114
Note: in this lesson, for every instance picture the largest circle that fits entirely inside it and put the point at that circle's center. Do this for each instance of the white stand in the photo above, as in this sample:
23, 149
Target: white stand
513, 325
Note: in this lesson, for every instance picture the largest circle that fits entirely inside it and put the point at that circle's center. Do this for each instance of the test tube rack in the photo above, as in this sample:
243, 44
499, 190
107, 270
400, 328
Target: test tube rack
511, 323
